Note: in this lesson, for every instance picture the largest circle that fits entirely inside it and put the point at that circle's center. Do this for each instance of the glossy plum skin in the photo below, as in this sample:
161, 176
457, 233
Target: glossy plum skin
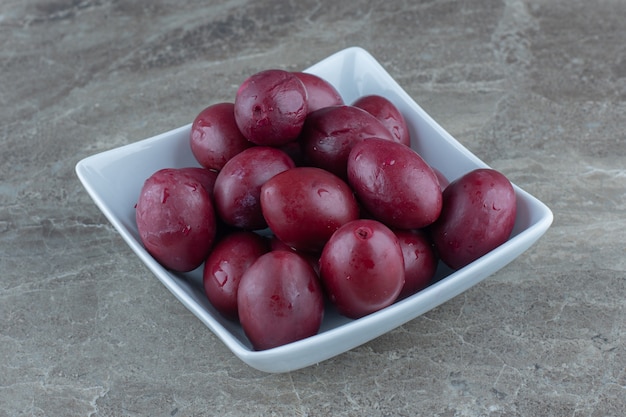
215, 137
394, 184
362, 268
420, 260
330, 133
175, 219
388, 114
206, 177
320, 93
305, 205
225, 266
313, 258
478, 215
279, 300
238, 185
270, 107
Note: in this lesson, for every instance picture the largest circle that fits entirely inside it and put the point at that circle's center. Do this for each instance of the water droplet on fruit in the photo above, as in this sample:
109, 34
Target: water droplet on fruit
220, 275
186, 230
165, 195
454, 244
192, 185
322, 191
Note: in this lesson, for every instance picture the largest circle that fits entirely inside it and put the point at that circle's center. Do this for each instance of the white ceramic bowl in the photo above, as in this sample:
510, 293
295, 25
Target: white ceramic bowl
114, 179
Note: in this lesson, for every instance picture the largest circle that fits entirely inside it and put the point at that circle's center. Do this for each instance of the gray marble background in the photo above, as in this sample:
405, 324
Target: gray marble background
536, 88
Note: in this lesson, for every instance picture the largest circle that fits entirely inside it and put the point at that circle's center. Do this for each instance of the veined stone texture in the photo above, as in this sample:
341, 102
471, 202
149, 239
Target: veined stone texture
535, 88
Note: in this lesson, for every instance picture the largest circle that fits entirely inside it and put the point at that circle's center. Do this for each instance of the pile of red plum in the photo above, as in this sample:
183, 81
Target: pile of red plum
301, 198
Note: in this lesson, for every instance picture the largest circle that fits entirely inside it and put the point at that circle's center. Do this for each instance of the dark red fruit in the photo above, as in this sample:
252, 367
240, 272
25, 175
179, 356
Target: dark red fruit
279, 300
362, 268
388, 114
175, 219
225, 266
304, 206
330, 133
238, 186
478, 215
270, 107
215, 137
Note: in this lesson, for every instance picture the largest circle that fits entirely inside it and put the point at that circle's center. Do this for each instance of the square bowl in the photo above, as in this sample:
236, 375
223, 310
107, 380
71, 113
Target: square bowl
114, 179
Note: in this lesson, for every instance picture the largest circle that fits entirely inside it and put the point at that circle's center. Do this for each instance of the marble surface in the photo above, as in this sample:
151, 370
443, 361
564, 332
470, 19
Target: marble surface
535, 88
